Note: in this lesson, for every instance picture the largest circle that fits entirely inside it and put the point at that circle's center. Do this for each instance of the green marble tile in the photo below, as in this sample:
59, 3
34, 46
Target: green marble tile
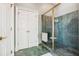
33, 51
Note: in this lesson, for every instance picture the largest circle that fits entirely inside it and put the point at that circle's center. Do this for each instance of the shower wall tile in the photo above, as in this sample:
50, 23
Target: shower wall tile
47, 25
78, 31
67, 30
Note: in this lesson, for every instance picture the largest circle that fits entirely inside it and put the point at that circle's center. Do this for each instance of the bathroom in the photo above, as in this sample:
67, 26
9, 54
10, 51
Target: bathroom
39, 29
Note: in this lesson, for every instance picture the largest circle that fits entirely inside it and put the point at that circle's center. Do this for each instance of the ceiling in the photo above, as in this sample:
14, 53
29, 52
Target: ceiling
41, 7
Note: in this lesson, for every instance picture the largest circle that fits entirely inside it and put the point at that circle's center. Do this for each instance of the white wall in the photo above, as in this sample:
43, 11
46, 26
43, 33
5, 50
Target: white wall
65, 8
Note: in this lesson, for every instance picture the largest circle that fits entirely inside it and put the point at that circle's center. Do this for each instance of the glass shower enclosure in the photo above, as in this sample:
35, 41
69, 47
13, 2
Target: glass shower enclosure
47, 31
62, 33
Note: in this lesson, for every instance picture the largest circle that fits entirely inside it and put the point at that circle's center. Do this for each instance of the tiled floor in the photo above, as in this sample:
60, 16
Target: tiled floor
33, 51
41, 51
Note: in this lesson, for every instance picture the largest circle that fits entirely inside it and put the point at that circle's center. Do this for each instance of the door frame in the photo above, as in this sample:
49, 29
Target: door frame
10, 31
12, 22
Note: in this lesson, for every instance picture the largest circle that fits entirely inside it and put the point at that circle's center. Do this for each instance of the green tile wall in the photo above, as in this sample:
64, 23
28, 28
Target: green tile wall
47, 25
67, 31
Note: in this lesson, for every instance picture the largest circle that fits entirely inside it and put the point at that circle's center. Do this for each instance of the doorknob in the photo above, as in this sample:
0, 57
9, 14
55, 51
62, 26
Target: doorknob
2, 37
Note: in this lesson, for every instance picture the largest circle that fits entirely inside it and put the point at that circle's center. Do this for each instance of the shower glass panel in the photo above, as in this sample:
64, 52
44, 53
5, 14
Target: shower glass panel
47, 29
67, 32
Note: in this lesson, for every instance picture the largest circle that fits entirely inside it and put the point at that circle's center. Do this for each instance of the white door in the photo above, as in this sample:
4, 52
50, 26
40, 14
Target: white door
6, 30
22, 29
33, 29
26, 29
